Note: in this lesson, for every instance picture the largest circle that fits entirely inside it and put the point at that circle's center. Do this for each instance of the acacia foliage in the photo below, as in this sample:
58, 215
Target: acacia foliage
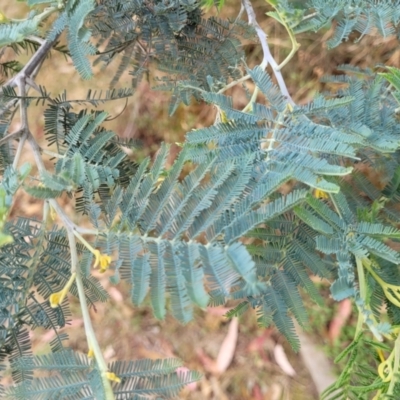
225, 230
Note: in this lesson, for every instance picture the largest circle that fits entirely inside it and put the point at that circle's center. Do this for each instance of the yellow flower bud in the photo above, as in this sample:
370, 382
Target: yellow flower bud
3, 18
53, 214
320, 194
58, 297
90, 353
103, 260
112, 377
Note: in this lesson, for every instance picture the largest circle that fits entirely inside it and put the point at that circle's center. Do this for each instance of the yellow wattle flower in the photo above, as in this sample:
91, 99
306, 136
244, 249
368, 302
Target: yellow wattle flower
3, 18
223, 117
90, 353
112, 377
58, 297
53, 213
104, 260
320, 194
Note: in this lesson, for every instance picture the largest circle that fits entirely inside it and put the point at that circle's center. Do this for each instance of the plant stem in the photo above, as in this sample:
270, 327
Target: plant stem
36, 153
71, 231
396, 366
84, 241
18, 153
90, 334
234, 83
305, 18
10, 136
363, 293
24, 122
295, 45
53, 154
67, 221
268, 58
33, 63
252, 100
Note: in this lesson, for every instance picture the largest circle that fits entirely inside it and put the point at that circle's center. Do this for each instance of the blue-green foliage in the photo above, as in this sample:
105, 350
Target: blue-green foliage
272, 196
362, 16
172, 36
75, 376
72, 17
15, 32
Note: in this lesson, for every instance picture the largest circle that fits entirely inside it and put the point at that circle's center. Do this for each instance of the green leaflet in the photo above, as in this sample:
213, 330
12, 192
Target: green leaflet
12, 32
74, 374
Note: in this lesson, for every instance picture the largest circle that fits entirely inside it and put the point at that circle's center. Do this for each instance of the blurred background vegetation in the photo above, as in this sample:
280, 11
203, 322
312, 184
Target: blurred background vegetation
257, 370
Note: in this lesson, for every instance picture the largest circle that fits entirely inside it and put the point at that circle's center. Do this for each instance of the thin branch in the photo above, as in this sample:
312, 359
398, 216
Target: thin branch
36, 153
118, 115
53, 154
24, 121
68, 222
36, 39
268, 58
362, 288
251, 15
12, 103
396, 365
295, 47
29, 72
234, 83
253, 99
33, 63
305, 18
86, 231
21, 80
18, 153
14, 135
90, 334
241, 11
